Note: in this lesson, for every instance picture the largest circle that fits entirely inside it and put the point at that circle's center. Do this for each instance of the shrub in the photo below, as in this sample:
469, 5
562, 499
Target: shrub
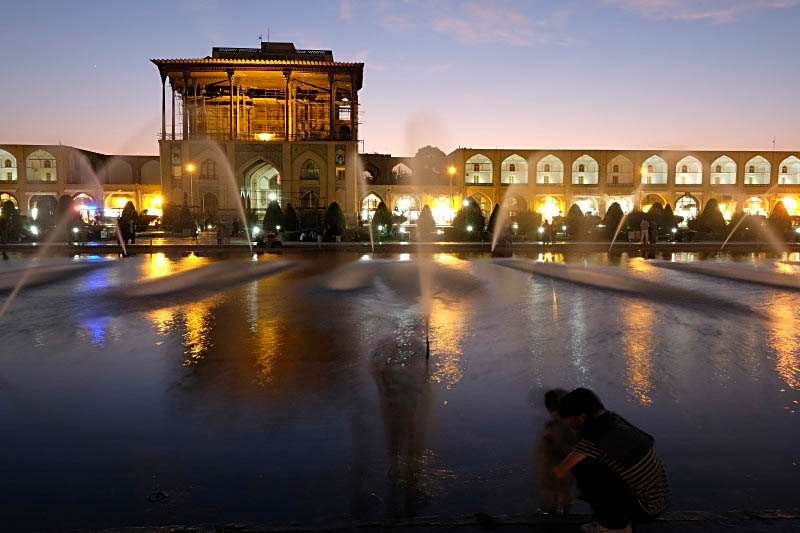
273, 217
493, 218
10, 222
575, 222
779, 218
612, 219
310, 219
711, 219
383, 218
426, 226
527, 221
469, 216
290, 218
334, 221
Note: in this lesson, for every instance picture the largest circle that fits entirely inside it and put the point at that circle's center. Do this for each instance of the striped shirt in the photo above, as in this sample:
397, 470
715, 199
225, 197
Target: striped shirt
629, 452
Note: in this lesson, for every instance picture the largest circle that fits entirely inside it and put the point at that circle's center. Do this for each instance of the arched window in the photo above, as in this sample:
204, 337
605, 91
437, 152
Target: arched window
310, 170
581, 168
47, 163
476, 167
650, 168
7, 163
208, 170
513, 168
616, 168
684, 169
751, 169
368, 206
784, 170
547, 168
719, 168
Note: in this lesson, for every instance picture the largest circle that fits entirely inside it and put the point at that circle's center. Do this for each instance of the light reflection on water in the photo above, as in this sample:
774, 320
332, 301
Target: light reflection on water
292, 382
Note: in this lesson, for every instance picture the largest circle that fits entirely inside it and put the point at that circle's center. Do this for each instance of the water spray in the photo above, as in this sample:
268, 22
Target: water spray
427, 339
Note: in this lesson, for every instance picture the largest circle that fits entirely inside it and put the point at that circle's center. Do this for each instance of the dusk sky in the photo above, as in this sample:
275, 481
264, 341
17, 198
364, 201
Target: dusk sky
666, 74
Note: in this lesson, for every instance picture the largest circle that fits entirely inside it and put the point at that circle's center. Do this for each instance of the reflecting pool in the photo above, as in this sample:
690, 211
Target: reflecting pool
305, 396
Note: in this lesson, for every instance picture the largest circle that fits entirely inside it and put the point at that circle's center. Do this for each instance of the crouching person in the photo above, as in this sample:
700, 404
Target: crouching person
614, 464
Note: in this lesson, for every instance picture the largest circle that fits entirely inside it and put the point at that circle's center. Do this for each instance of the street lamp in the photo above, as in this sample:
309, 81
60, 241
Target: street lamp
190, 168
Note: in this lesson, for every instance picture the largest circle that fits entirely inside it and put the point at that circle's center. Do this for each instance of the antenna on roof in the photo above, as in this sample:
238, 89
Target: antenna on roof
260, 40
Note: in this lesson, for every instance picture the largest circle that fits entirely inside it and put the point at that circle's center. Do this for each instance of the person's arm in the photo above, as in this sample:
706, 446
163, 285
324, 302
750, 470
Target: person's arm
566, 465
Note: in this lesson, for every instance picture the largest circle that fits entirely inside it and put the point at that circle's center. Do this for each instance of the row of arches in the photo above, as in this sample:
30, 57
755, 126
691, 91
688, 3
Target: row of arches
41, 165
549, 206
620, 171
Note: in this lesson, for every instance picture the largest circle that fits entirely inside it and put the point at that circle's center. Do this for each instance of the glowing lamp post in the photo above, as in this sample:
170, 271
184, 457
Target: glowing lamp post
191, 168
451, 170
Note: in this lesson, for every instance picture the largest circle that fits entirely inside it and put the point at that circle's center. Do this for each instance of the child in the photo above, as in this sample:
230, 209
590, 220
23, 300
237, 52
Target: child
555, 445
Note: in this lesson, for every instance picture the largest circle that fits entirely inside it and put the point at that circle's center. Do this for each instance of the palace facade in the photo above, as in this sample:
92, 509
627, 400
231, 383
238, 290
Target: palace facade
252, 125
551, 181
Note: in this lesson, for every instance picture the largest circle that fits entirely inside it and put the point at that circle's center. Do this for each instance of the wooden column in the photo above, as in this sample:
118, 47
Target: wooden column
230, 88
184, 96
286, 75
353, 110
172, 85
332, 110
163, 106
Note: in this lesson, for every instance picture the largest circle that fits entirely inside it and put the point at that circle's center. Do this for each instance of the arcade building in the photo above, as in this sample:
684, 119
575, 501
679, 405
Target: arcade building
252, 125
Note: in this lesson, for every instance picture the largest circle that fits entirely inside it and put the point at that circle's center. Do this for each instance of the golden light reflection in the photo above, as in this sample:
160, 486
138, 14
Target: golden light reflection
160, 265
549, 257
449, 324
197, 321
638, 318
784, 338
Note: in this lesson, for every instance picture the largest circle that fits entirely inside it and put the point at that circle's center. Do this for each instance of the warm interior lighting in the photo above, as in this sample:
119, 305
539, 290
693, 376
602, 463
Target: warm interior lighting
120, 202
265, 136
791, 204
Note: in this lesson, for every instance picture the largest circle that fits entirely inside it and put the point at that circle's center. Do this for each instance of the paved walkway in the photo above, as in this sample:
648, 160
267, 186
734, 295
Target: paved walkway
736, 521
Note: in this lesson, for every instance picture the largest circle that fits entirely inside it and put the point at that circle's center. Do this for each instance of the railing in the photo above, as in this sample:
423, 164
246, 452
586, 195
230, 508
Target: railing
307, 136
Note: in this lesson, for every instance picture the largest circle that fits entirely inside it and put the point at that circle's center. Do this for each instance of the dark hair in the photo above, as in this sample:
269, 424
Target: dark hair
579, 402
553, 397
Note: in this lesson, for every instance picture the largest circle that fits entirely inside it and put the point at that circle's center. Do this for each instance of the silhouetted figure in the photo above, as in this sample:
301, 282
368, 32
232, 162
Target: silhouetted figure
555, 444
614, 463
644, 227
235, 232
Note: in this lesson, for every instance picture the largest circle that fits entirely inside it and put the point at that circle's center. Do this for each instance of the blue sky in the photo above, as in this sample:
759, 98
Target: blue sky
600, 74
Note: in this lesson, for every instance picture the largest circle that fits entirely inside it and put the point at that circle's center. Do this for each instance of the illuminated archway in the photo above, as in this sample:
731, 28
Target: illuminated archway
755, 206
478, 169
649, 199
654, 171
264, 180
620, 171
484, 203
42, 208
368, 206
7, 197
727, 206
789, 171
625, 203
549, 207
8, 166
407, 206
549, 169
585, 171
792, 205
41, 166
587, 204
757, 171
723, 171
689, 171
401, 172
85, 205
514, 169
687, 207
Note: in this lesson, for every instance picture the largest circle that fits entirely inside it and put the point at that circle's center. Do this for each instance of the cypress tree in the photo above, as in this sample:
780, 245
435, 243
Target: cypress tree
612, 219
290, 218
383, 218
273, 217
334, 220
779, 218
493, 219
711, 219
426, 225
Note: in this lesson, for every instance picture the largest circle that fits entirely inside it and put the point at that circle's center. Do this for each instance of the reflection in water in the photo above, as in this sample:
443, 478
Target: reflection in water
400, 373
549, 257
639, 318
197, 319
449, 323
784, 337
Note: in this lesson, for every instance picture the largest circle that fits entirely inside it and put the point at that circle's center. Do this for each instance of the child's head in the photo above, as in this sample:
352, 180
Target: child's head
579, 404
551, 400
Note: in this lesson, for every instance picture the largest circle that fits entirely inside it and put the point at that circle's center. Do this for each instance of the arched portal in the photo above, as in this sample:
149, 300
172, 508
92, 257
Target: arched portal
85, 205
309, 200
755, 206
789, 171
792, 204
407, 206
549, 169
585, 171
549, 207
401, 172
263, 182
41, 166
42, 208
649, 199
757, 171
689, 171
478, 169
620, 172
687, 207
654, 171
625, 203
514, 169
587, 204
210, 206
723, 171
483, 202
7, 197
8, 166
368, 206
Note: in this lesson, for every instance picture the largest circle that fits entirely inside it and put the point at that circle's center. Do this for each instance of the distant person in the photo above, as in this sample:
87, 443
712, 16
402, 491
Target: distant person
132, 230
302, 236
195, 233
644, 227
220, 233
235, 232
547, 233
555, 444
614, 464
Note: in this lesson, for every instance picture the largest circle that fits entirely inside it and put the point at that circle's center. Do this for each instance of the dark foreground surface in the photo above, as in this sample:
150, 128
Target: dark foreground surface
304, 399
